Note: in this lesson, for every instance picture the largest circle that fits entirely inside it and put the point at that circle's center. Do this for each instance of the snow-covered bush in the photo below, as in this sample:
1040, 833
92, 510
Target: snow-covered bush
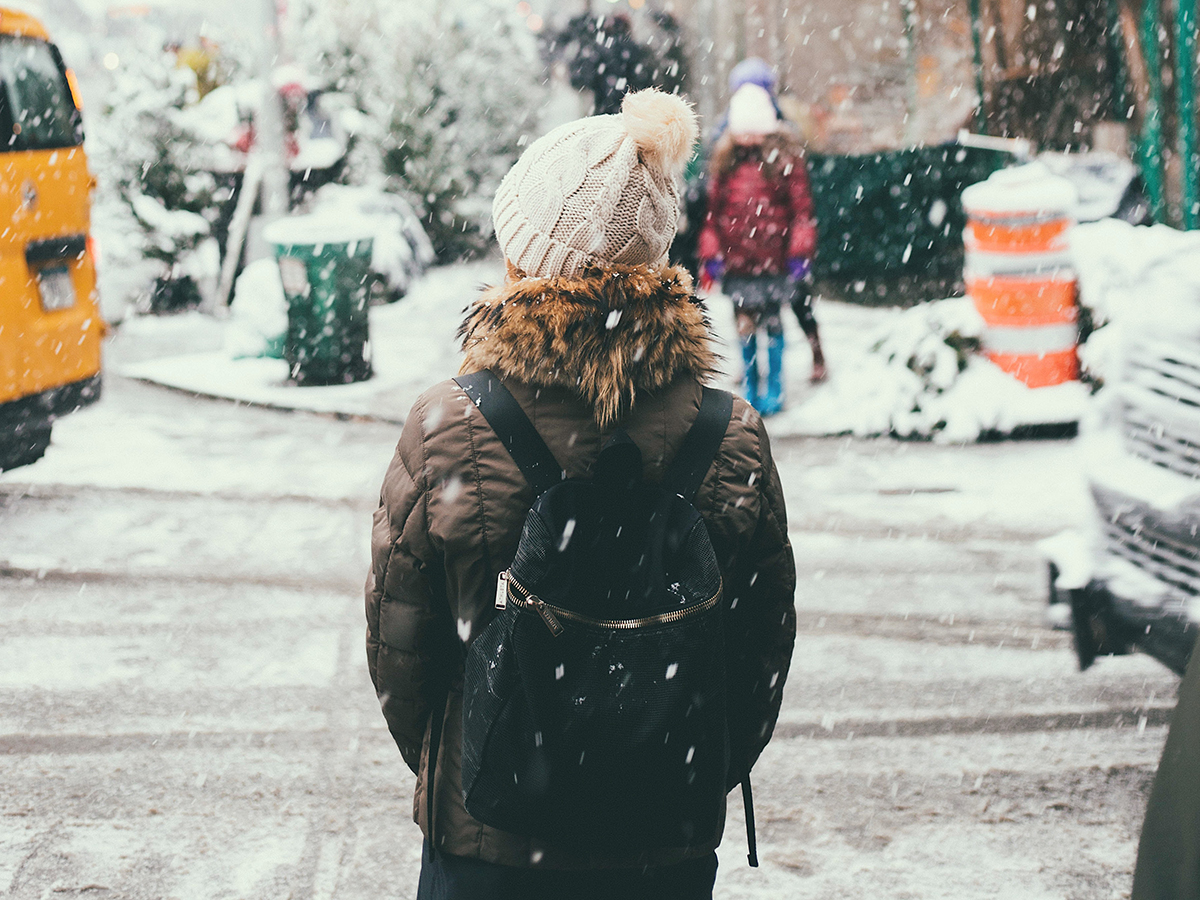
216, 120
934, 341
449, 92
899, 387
923, 377
606, 59
147, 161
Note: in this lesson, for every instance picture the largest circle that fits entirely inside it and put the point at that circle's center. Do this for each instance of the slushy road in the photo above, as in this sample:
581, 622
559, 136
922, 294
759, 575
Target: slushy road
185, 710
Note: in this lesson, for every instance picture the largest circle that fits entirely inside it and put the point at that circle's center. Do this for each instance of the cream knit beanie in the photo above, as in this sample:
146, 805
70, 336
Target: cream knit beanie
599, 190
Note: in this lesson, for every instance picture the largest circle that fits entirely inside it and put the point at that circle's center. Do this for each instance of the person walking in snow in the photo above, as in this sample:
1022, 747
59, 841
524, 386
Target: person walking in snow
759, 237
756, 71
1168, 865
751, 70
593, 334
604, 58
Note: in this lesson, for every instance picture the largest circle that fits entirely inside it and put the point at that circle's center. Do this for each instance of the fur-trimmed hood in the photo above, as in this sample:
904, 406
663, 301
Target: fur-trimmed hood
606, 334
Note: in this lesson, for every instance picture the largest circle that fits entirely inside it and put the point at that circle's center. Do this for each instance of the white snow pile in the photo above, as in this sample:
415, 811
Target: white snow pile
1147, 277
258, 312
921, 376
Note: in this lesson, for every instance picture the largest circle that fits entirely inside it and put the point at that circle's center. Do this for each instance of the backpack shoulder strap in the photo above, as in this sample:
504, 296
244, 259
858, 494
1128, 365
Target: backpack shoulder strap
700, 445
512, 426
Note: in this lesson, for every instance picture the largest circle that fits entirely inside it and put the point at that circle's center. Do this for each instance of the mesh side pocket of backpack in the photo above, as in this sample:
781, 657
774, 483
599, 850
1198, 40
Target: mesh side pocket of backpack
701, 576
532, 559
490, 679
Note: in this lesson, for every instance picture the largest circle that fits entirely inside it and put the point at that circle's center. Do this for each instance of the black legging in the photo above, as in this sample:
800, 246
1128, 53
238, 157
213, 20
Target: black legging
802, 306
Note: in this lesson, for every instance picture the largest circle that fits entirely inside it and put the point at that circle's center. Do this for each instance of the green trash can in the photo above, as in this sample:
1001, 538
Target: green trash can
324, 264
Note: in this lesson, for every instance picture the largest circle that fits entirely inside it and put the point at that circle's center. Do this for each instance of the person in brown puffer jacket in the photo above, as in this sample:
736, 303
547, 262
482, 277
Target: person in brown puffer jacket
591, 331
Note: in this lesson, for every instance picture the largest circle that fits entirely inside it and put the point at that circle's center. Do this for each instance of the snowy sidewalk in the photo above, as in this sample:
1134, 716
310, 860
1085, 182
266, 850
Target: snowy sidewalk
414, 346
412, 341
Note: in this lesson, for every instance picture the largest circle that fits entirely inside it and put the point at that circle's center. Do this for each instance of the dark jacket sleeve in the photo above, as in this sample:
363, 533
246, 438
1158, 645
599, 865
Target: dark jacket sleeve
407, 615
762, 623
802, 229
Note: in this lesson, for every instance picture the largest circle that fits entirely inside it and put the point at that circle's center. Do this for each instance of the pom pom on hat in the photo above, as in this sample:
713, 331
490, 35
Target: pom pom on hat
598, 191
752, 112
662, 125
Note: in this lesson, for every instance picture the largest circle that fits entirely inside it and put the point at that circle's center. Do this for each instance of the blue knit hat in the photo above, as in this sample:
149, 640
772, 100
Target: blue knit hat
752, 70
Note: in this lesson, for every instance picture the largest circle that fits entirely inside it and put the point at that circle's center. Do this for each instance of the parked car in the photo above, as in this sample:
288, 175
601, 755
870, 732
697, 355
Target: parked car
1132, 579
50, 326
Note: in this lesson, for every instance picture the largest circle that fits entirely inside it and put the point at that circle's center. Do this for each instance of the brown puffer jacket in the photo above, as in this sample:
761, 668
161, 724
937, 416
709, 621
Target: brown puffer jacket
581, 355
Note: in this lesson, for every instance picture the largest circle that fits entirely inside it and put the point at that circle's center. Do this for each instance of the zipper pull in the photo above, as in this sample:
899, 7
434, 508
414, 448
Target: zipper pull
547, 616
502, 590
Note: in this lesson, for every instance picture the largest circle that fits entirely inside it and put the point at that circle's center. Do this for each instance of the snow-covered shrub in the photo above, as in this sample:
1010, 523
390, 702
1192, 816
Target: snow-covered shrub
147, 161
899, 385
449, 92
924, 377
606, 59
934, 341
216, 120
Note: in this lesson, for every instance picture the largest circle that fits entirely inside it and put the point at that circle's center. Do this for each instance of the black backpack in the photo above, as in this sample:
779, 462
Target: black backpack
594, 708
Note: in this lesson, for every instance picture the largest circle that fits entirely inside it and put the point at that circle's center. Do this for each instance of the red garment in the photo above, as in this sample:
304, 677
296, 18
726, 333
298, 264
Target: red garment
755, 223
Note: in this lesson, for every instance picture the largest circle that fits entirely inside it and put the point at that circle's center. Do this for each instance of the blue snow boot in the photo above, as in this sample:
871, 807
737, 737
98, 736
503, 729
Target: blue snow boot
750, 362
773, 401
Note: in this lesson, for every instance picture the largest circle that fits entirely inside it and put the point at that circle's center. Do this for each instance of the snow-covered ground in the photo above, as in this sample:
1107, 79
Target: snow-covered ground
412, 347
872, 387
186, 709
184, 618
1032, 487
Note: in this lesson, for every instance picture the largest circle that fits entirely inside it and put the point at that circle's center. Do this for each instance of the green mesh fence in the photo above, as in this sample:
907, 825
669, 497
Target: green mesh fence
895, 215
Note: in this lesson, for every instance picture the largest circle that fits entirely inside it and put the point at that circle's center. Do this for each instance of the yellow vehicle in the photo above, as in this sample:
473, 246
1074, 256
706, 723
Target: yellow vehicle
50, 326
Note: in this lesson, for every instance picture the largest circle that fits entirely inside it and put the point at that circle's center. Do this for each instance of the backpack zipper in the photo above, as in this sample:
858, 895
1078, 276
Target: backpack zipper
543, 609
523, 599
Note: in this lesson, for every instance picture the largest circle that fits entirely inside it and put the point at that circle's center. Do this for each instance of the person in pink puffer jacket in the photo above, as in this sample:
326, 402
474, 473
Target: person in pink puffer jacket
759, 236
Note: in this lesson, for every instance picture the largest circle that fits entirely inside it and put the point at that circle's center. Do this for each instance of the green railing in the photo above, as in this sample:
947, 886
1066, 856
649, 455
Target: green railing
895, 215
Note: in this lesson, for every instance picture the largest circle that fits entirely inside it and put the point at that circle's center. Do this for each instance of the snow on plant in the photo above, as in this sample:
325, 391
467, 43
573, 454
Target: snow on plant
902, 384
146, 160
449, 92
923, 377
933, 341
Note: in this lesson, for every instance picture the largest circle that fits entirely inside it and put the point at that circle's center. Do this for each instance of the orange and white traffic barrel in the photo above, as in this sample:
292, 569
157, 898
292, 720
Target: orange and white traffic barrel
1018, 272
